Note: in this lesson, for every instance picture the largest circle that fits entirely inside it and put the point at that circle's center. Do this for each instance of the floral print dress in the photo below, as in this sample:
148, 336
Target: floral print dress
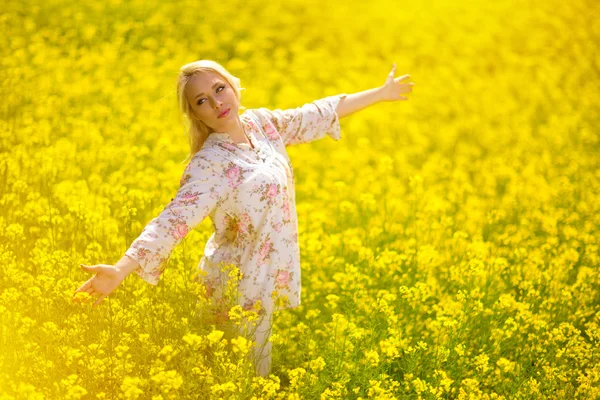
248, 193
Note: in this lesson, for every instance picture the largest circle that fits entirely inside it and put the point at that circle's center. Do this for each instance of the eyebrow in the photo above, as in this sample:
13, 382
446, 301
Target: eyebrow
213, 86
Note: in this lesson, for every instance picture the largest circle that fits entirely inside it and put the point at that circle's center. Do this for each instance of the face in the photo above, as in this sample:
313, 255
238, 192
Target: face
209, 95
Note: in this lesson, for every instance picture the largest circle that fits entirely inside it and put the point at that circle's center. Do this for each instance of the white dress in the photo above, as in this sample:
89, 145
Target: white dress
248, 193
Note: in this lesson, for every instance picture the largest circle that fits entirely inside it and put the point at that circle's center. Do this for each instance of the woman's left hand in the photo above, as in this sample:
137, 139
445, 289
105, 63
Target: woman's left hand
392, 88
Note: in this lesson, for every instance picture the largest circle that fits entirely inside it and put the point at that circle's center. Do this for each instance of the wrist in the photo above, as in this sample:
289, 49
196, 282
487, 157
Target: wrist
126, 265
380, 94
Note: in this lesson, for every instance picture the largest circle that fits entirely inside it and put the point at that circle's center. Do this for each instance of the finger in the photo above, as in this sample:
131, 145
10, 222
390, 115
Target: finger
99, 300
83, 299
85, 285
404, 88
401, 78
92, 269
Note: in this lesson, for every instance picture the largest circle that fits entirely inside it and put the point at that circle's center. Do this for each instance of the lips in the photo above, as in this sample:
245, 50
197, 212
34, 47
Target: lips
224, 113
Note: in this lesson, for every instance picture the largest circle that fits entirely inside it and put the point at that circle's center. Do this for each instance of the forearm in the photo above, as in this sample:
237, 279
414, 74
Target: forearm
126, 265
357, 101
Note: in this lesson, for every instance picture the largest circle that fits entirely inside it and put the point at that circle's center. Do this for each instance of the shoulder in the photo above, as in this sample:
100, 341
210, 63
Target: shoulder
268, 119
263, 114
201, 169
205, 161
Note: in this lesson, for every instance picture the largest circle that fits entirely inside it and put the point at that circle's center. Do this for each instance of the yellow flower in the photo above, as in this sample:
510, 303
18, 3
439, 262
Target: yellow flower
419, 385
236, 312
168, 349
389, 348
276, 339
460, 349
372, 357
301, 328
215, 336
332, 300
224, 389
339, 322
481, 363
358, 333
295, 376
367, 202
347, 207
505, 364
317, 364
193, 340
131, 387
241, 345
167, 380
267, 387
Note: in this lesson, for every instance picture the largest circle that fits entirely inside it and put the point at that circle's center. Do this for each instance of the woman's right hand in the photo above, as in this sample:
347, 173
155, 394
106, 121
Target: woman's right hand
106, 279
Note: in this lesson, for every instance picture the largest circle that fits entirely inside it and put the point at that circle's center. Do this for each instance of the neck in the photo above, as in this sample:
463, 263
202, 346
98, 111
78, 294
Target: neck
235, 130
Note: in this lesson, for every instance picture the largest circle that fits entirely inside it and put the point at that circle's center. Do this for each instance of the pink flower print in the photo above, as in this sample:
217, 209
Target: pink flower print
286, 211
278, 227
233, 174
272, 190
187, 198
180, 231
264, 250
141, 252
243, 223
271, 132
283, 278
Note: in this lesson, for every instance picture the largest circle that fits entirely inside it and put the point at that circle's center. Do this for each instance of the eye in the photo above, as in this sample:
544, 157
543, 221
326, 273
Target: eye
200, 102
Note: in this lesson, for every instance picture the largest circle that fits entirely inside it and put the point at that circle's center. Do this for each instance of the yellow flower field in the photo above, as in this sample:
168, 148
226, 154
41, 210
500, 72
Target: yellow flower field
450, 243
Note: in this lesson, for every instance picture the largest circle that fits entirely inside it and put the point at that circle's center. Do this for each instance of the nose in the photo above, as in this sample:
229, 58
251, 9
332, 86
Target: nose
217, 104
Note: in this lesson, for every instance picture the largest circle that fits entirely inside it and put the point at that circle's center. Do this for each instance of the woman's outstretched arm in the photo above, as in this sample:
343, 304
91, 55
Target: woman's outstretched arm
202, 187
389, 91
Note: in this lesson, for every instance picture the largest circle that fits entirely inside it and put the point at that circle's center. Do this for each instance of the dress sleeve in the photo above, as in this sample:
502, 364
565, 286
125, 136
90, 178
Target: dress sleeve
202, 188
304, 124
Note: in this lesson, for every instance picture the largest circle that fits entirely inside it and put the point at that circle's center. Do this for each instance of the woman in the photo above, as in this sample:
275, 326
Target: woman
240, 175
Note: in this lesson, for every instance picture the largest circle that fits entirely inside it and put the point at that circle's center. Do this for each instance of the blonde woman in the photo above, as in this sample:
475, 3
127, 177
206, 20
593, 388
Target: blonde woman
239, 174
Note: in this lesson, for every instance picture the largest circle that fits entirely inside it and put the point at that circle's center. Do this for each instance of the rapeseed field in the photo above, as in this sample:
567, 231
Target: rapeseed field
449, 243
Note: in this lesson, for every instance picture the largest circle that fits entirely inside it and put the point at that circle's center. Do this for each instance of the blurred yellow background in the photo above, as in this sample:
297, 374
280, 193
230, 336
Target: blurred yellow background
449, 242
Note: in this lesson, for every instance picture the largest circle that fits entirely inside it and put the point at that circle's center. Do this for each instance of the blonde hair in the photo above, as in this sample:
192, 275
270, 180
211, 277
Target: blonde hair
198, 131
